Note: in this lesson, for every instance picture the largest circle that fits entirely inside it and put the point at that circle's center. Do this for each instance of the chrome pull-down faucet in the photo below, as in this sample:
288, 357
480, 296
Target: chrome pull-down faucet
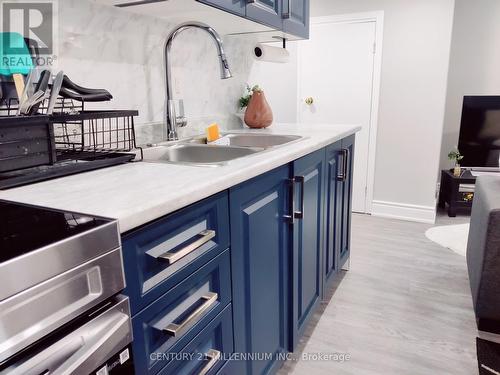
173, 120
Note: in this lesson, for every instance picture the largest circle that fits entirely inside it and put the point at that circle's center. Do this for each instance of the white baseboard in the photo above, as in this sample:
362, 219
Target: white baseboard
401, 211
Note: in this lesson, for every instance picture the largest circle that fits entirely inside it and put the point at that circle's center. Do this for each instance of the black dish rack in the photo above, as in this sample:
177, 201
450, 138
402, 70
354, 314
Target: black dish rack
77, 140
26, 142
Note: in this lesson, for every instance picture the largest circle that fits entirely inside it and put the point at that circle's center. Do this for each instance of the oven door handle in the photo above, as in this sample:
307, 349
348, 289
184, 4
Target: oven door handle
83, 350
106, 340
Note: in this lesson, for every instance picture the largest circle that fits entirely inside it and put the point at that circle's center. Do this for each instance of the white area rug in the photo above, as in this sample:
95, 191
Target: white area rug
454, 237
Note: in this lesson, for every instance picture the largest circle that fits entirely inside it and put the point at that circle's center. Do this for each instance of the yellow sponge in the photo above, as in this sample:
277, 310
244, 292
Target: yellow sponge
213, 133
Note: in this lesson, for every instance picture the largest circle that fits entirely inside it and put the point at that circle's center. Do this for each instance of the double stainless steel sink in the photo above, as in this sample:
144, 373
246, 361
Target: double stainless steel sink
196, 154
195, 151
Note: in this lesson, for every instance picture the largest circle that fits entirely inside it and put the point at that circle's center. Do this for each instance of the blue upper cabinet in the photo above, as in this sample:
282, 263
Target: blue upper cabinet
289, 16
296, 17
232, 6
260, 274
268, 12
309, 177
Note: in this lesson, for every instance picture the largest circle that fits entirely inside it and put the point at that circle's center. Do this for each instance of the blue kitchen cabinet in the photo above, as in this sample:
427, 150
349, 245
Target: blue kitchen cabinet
263, 251
232, 6
333, 211
339, 177
309, 182
267, 12
260, 268
206, 353
233, 367
346, 193
296, 17
289, 16
154, 255
172, 321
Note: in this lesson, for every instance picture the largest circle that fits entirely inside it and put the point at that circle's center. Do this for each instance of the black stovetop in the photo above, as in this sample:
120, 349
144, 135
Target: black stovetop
25, 228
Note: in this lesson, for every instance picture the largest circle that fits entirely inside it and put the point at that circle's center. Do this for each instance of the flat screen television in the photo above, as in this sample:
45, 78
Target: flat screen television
479, 140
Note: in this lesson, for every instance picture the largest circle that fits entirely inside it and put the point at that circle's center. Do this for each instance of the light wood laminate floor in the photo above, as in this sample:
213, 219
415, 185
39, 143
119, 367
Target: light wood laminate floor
404, 307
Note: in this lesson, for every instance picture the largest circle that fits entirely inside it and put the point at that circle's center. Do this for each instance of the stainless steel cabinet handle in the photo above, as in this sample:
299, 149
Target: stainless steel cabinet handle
340, 176
172, 257
346, 163
291, 218
287, 14
343, 175
300, 214
212, 356
178, 329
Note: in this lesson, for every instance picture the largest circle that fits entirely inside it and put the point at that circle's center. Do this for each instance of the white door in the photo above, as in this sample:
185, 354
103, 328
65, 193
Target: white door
336, 70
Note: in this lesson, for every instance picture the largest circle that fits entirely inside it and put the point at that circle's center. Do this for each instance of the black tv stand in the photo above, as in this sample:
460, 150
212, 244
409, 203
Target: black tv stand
449, 191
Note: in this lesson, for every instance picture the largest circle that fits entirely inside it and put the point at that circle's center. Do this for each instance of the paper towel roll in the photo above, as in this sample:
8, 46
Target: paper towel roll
263, 52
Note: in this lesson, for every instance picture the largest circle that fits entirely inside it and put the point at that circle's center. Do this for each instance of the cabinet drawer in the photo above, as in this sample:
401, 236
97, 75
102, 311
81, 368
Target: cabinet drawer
233, 367
206, 353
169, 323
162, 254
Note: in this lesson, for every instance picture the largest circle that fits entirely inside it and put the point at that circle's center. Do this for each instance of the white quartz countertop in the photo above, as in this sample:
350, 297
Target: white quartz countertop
137, 193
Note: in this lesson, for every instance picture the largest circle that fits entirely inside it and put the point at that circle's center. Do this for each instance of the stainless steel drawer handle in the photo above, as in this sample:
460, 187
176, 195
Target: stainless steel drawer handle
212, 356
176, 330
172, 257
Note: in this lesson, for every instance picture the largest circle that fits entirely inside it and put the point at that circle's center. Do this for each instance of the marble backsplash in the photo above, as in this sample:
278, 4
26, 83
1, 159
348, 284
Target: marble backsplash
107, 47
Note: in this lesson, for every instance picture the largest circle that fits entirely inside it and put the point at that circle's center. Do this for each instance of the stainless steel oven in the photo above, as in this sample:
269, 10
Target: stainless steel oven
60, 308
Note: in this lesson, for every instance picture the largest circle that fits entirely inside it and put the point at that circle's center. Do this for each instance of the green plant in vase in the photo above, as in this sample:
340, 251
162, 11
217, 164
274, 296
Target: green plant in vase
456, 156
245, 99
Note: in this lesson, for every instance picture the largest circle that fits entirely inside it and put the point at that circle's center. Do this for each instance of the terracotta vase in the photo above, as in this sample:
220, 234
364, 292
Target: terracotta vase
258, 114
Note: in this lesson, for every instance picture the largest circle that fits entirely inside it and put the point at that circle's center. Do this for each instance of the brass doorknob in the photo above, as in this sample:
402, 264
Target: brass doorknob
309, 100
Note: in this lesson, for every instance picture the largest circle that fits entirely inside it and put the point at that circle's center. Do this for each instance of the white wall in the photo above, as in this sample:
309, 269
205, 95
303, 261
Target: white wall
279, 82
112, 48
474, 63
417, 37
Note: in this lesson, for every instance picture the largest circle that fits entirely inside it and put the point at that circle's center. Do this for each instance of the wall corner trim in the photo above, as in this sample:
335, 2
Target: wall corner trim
403, 211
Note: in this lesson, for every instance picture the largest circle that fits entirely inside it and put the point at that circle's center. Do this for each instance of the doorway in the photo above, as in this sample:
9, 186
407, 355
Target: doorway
339, 70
